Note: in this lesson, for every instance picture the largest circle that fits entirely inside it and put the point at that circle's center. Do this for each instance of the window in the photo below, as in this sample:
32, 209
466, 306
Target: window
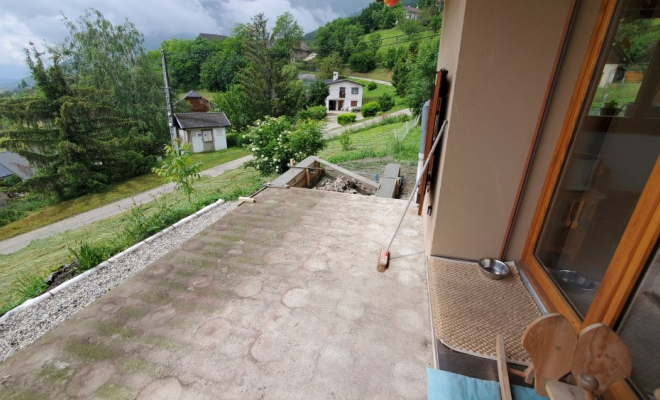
355, 90
342, 92
611, 158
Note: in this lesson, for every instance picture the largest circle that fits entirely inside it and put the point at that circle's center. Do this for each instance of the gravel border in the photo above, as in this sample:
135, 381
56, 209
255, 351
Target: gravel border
22, 328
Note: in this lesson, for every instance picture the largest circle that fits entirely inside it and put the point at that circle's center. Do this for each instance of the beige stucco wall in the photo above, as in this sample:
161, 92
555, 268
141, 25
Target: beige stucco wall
499, 65
558, 107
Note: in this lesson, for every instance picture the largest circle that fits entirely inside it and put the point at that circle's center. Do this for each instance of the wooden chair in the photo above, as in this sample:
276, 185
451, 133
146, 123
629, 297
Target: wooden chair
593, 359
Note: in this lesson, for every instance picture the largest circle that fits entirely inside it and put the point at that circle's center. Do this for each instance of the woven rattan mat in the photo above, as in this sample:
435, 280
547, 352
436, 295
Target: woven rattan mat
469, 310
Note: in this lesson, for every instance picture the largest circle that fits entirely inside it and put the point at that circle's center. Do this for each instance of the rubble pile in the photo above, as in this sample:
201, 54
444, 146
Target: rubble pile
343, 184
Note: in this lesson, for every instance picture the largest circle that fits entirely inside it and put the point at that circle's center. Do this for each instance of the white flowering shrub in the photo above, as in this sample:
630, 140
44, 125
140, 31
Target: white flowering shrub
274, 141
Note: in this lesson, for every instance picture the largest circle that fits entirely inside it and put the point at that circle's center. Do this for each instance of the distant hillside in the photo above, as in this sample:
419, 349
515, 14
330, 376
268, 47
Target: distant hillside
310, 36
11, 84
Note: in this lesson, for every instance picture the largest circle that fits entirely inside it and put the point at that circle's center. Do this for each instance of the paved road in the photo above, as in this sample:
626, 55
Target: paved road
372, 80
18, 242
333, 129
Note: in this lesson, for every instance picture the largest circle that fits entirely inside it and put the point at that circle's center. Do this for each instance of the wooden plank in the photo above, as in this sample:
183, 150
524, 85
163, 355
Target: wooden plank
563, 391
388, 188
502, 372
547, 289
346, 172
432, 126
550, 342
392, 170
246, 199
601, 353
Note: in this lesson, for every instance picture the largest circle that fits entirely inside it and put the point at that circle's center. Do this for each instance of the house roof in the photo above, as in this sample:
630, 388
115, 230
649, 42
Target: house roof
4, 172
192, 94
201, 120
411, 9
16, 164
212, 36
331, 82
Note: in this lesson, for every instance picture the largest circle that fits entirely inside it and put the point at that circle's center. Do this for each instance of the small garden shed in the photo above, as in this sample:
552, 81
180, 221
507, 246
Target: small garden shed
204, 131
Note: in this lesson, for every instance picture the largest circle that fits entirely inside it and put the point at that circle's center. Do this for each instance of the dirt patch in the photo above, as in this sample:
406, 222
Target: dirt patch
343, 184
61, 275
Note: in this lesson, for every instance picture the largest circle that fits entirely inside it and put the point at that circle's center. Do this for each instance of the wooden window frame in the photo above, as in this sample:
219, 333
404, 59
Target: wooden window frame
640, 235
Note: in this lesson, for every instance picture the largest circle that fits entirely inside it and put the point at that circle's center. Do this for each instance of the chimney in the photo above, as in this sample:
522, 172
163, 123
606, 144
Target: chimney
335, 76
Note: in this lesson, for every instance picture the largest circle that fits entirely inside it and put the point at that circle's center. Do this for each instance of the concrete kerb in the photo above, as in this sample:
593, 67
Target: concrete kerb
27, 304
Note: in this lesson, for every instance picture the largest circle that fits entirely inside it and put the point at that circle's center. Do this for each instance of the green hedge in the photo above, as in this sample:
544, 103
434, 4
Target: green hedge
370, 109
345, 119
316, 113
372, 86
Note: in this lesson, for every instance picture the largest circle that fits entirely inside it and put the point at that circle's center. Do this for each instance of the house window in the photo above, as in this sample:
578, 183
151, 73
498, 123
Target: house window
342, 92
355, 90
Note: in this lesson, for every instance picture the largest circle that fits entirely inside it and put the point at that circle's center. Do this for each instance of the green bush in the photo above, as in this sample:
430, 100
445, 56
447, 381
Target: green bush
316, 113
235, 139
372, 86
363, 61
370, 109
345, 119
345, 140
385, 102
274, 141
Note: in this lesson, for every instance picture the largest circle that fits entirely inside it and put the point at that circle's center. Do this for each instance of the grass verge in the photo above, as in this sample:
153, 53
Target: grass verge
49, 212
113, 235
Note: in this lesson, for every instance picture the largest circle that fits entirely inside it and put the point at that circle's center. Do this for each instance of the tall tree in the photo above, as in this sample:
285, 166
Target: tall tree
74, 136
111, 58
287, 36
219, 71
267, 79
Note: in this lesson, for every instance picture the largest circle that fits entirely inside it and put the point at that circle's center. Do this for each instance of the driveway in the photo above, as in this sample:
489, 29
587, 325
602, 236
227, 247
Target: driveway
386, 83
18, 242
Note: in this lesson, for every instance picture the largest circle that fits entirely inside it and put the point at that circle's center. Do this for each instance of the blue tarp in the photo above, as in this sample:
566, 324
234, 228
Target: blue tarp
443, 385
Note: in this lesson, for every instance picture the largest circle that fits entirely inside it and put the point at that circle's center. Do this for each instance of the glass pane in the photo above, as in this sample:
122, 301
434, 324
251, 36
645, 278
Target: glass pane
611, 156
640, 329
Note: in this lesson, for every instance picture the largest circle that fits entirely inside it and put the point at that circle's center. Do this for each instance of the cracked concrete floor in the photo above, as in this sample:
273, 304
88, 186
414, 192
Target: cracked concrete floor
279, 299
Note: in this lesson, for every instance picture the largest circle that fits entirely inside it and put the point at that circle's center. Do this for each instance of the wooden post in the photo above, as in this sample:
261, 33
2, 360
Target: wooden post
168, 101
502, 372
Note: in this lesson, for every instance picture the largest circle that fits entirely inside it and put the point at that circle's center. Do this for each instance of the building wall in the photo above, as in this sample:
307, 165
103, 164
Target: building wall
499, 67
334, 94
219, 138
558, 107
194, 137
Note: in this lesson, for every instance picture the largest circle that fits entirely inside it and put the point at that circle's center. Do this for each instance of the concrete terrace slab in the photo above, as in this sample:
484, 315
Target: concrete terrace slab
279, 299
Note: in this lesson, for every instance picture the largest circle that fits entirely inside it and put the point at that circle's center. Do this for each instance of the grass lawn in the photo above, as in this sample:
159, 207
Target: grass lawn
375, 142
43, 256
373, 95
381, 74
65, 209
623, 93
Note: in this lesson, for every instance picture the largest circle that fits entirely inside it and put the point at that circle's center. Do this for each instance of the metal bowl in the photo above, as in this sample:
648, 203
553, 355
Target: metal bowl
494, 269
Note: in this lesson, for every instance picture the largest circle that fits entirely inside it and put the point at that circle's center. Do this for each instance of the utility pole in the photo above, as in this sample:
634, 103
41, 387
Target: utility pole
168, 100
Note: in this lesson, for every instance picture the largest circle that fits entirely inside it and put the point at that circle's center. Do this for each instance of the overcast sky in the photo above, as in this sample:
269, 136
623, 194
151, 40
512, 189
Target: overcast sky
23, 21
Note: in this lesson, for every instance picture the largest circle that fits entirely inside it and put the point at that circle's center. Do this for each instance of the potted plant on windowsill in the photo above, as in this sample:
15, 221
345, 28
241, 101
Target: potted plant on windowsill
610, 108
